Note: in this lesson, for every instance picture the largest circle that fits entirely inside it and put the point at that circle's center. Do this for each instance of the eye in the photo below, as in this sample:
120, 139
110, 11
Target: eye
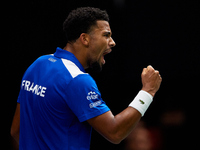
107, 35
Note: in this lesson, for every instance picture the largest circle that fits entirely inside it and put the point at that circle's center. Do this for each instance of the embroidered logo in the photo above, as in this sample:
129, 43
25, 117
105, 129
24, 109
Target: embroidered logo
142, 102
95, 104
92, 95
52, 59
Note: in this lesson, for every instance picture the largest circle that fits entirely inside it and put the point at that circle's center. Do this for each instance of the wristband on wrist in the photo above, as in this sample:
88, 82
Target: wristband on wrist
142, 101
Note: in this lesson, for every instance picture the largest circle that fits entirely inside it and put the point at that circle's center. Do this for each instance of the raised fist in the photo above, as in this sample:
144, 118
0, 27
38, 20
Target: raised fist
151, 80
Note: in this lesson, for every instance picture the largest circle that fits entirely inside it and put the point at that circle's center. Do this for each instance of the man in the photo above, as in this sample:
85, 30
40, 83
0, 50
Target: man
59, 102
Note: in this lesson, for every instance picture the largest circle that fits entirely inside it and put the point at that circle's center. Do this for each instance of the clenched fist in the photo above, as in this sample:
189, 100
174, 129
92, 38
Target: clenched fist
151, 80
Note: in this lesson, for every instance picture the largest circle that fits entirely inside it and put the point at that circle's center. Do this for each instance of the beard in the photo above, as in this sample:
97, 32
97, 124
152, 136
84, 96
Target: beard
95, 68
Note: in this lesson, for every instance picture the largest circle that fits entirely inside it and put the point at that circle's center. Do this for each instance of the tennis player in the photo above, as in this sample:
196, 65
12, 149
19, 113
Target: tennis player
59, 103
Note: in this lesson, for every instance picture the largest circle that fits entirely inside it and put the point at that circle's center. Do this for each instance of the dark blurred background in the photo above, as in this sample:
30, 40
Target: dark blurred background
161, 33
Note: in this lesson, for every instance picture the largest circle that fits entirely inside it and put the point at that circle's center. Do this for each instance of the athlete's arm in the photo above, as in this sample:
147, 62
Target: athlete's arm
116, 128
15, 124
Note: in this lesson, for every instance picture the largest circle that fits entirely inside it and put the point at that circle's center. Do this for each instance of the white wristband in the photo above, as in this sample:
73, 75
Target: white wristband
142, 101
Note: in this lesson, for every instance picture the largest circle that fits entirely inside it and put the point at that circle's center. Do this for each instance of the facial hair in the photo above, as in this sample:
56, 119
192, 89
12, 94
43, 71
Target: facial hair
94, 68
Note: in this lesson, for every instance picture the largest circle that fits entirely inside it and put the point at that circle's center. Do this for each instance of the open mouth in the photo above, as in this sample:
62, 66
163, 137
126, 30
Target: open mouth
105, 53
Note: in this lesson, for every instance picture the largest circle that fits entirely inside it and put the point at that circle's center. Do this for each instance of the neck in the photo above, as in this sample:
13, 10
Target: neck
79, 52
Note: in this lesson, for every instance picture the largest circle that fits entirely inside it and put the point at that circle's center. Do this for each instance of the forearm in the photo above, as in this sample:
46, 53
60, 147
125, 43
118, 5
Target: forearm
16, 124
116, 128
127, 119
15, 137
125, 122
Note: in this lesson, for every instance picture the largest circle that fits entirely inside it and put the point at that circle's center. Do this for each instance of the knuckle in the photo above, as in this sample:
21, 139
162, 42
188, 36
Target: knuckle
144, 71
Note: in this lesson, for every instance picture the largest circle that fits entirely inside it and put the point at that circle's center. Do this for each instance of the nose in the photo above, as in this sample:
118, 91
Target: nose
112, 42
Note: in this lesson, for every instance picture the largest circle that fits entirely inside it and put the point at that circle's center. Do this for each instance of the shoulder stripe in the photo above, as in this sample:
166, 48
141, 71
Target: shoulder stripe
72, 68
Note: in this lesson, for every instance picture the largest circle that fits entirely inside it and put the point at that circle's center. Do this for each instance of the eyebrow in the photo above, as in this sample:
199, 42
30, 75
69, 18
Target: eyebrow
107, 33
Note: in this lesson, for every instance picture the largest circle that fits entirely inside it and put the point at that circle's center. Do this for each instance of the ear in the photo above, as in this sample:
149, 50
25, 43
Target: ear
85, 39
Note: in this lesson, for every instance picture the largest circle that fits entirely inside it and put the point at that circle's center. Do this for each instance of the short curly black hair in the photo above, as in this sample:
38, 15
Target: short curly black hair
81, 20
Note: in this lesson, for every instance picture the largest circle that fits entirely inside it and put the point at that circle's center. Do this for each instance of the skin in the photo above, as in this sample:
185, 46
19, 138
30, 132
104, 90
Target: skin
16, 124
90, 48
93, 45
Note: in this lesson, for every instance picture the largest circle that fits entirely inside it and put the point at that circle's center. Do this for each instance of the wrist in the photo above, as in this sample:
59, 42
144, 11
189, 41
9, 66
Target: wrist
142, 101
152, 93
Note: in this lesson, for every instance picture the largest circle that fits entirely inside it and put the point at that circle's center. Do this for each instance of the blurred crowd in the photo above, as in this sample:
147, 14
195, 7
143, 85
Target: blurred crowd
169, 134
